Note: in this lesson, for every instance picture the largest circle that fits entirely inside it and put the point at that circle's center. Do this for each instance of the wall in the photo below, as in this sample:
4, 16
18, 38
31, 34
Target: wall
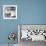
7, 26
29, 12
34, 12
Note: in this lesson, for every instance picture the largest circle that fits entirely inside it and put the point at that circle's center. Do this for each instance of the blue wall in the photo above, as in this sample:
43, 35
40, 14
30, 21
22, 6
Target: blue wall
28, 12
7, 26
33, 12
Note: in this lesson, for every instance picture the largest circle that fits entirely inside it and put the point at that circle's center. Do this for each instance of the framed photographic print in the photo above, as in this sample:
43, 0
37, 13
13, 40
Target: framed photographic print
32, 32
9, 11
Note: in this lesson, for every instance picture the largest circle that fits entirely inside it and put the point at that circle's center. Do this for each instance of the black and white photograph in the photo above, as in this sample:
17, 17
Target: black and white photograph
31, 34
9, 11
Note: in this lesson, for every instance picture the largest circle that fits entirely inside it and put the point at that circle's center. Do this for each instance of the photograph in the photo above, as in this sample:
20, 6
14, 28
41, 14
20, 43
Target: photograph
9, 11
31, 34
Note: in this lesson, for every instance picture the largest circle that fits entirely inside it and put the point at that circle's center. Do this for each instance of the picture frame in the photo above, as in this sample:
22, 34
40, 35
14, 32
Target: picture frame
36, 32
9, 11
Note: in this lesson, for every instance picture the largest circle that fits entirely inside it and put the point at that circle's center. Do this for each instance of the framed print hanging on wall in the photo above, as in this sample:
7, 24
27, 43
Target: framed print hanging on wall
9, 11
